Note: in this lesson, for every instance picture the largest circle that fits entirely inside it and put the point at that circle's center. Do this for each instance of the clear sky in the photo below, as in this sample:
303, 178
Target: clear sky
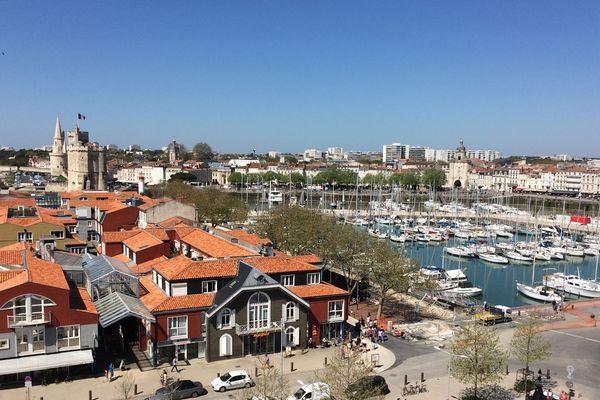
522, 77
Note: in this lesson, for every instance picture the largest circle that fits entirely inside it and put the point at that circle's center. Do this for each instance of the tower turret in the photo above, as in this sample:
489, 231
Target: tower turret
58, 154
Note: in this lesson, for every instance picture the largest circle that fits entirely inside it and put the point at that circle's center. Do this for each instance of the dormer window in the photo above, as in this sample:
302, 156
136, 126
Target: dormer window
288, 280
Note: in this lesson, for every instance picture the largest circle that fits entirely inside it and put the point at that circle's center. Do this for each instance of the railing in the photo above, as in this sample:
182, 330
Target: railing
27, 320
250, 329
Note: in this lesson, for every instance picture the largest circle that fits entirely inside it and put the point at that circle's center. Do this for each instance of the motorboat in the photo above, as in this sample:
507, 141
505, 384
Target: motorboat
459, 251
513, 255
493, 258
556, 256
541, 293
275, 197
588, 251
574, 252
377, 233
462, 235
461, 285
504, 234
398, 238
505, 246
573, 284
542, 256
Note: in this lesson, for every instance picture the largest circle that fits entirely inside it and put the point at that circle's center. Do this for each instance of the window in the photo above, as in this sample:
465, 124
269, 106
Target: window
4, 344
58, 234
72, 229
179, 289
90, 223
68, 336
226, 318
28, 308
177, 327
290, 311
336, 310
288, 280
25, 236
313, 278
259, 311
225, 345
289, 336
154, 276
209, 286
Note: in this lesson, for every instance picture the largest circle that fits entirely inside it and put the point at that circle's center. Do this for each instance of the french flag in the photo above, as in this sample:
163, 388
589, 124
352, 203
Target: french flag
80, 116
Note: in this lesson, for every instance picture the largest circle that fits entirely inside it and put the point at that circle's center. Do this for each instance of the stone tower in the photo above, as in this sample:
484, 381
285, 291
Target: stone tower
173, 152
58, 156
86, 164
458, 172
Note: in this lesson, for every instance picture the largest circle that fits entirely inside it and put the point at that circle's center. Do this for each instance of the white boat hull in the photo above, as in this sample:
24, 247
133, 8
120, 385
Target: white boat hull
537, 293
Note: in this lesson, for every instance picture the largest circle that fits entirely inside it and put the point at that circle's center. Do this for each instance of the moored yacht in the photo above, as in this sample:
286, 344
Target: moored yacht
493, 258
573, 284
541, 293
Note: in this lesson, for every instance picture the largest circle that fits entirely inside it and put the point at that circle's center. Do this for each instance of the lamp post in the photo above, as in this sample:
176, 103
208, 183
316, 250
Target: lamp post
449, 364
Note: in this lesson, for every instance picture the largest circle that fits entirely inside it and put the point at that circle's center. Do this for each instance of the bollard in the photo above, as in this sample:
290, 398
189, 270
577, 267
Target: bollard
422, 377
506, 369
405, 380
325, 361
255, 371
292, 367
90, 395
218, 374
135, 392
548, 373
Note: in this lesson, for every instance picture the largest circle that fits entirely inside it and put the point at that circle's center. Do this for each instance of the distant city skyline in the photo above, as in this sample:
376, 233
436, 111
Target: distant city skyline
521, 78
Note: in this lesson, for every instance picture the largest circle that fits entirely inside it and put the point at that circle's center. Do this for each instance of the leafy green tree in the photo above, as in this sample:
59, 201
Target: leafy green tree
390, 272
270, 384
479, 358
347, 367
298, 179
236, 178
291, 160
340, 177
528, 344
203, 152
218, 207
434, 178
183, 177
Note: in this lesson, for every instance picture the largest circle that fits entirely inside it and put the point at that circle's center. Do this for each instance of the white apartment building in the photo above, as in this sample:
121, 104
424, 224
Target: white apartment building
153, 175
395, 151
335, 153
312, 154
590, 183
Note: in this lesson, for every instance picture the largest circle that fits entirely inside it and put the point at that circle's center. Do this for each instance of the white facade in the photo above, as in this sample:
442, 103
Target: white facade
153, 175
395, 151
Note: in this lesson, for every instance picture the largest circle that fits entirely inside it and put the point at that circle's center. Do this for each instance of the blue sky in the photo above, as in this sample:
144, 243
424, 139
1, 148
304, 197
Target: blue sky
522, 77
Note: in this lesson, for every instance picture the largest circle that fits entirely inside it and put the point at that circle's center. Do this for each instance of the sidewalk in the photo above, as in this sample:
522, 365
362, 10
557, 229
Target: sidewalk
198, 370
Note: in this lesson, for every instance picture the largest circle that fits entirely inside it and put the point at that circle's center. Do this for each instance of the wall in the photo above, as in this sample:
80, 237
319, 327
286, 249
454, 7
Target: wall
8, 233
115, 220
160, 329
278, 299
319, 314
163, 211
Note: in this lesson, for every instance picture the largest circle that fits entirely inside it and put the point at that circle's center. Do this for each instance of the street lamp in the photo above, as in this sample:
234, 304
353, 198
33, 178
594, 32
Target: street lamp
449, 364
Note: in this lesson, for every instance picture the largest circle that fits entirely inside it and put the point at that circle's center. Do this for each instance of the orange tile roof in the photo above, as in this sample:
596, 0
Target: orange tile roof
117, 237
80, 300
208, 269
160, 234
201, 300
142, 240
176, 221
11, 257
15, 246
154, 296
214, 246
38, 271
146, 267
279, 264
21, 201
6, 275
172, 267
122, 257
149, 203
247, 237
320, 290
308, 258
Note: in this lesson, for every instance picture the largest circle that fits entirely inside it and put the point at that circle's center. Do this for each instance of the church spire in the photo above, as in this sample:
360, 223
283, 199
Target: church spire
57, 129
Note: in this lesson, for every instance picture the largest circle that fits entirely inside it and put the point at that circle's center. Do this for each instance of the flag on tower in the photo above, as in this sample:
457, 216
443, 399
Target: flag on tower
80, 116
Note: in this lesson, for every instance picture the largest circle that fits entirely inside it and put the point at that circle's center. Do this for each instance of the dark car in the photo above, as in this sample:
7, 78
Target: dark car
179, 390
369, 386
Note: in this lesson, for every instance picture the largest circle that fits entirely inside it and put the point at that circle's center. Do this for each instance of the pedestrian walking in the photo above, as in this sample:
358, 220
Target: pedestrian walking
105, 375
111, 372
174, 365
549, 395
267, 361
163, 378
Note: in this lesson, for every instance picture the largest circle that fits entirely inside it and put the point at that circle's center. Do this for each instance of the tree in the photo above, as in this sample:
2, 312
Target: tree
203, 152
291, 160
236, 178
434, 178
528, 344
298, 179
347, 367
340, 177
409, 180
478, 358
218, 207
125, 386
389, 272
182, 177
183, 152
270, 384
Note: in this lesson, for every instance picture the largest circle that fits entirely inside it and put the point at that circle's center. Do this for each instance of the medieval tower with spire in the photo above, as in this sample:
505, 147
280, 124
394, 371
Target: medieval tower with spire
81, 163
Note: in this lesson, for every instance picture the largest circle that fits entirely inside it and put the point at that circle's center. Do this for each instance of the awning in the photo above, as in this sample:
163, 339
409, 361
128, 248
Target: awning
46, 361
116, 306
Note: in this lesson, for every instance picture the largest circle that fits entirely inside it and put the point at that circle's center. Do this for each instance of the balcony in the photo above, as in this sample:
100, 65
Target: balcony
15, 321
250, 330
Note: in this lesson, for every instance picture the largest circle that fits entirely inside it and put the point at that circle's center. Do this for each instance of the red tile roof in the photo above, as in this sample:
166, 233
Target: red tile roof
142, 240
247, 237
279, 264
308, 258
117, 237
38, 271
11, 257
146, 267
80, 300
320, 290
213, 246
176, 221
157, 301
182, 268
6, 275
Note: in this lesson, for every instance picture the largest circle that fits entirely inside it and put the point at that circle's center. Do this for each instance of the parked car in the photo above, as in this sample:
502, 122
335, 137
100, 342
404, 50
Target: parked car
179, 390
374, 385
312, 391
232, 380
